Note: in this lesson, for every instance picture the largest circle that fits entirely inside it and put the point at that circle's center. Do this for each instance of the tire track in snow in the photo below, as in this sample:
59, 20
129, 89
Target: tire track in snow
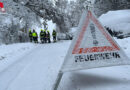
13, 70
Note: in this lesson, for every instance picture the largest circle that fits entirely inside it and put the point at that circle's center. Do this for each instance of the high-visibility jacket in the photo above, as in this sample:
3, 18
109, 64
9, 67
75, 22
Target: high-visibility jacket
30, 34
34, 34
48, 35
54, 33
42, 34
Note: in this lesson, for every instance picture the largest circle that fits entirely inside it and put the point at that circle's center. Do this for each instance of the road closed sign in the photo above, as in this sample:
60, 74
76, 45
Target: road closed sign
93, 47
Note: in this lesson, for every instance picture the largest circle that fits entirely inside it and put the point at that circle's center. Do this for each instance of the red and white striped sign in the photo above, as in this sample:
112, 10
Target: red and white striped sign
93, 47
78, 50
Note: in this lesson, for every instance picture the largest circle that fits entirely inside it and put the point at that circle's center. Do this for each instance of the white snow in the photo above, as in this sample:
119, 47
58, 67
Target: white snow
37, 69
10, 53
125, 44
117, 20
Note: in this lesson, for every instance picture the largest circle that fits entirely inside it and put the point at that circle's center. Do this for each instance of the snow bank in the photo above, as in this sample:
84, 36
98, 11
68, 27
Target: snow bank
10, 53
117, 20
125, 45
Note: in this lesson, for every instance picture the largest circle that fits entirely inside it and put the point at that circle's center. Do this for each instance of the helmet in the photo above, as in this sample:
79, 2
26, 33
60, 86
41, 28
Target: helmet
29, 30
44, 30
41, 29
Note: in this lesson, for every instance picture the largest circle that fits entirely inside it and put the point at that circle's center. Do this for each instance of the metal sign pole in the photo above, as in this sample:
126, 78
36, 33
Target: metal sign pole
59, 77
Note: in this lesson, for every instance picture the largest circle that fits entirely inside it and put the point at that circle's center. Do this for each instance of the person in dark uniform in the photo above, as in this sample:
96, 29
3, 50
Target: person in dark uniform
42, 36
54, 35
35, 36
48, 36
30, 35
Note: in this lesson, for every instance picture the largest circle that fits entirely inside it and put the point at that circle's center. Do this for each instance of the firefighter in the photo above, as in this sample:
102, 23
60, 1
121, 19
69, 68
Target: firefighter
30, 35
35, 36
54, 35
42, 35
48, 36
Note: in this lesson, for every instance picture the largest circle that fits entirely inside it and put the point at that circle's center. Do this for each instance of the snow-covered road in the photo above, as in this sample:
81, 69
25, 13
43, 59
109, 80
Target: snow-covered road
38, 69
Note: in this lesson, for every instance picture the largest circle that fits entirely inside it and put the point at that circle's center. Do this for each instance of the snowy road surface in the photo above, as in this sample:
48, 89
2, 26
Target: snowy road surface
38, 69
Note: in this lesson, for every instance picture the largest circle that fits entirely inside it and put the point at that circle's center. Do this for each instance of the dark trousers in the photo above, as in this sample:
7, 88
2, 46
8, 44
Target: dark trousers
35, 39
44, 40
54, 38
30, 39
48, 40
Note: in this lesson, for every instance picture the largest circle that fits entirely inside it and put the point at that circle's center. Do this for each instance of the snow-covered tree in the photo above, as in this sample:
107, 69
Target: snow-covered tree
48, 10
19, 20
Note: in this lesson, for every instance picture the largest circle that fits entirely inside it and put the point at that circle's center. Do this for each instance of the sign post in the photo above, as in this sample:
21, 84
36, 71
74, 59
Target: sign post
60, 74
92, 47
59, 77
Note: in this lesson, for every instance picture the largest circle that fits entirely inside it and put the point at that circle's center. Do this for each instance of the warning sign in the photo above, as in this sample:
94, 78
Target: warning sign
93, 47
